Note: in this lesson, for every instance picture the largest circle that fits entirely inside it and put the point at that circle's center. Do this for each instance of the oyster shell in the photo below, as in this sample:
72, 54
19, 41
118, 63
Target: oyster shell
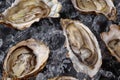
112, 40
25, 59
105, 7
23, 13
83, 47
63, 78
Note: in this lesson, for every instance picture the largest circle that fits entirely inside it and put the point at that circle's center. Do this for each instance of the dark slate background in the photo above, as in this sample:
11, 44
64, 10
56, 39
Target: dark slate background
49, 30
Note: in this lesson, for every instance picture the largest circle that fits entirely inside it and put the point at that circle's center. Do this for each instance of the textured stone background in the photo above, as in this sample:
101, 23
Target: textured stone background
50, 31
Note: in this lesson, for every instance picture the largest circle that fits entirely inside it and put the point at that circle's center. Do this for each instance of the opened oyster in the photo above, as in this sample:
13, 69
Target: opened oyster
25, 59
105, 7
23, 13
112, 40
83, 47
63, 78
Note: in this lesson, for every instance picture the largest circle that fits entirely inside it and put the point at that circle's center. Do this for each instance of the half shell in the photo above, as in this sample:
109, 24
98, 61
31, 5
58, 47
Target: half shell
83, 47
25, 59
112, 40
23, 13
105, 7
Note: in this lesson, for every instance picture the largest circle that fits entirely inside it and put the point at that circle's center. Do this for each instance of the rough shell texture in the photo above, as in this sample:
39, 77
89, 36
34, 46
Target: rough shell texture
63, 78
112, 40
25, 59
54, 6
23, 13
83, 47
105, 7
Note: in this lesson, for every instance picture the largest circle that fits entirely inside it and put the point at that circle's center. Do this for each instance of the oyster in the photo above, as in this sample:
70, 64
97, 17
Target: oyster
112, 40
105, 7
83, 47
23, 13
25, 59
63, 78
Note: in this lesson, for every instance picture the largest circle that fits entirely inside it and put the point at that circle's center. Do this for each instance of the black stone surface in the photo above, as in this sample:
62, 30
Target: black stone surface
49, 30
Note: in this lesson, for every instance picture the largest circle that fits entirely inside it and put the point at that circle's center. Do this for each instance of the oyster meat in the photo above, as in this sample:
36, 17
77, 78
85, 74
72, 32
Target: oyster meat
23, 13
83, 47
25, 59
105, 7
112, 40
63, 78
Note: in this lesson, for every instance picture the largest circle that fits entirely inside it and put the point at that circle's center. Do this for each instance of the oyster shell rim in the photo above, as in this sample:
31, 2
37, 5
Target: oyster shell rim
99, 61
113, 27
28, 43
23, 26
113, 10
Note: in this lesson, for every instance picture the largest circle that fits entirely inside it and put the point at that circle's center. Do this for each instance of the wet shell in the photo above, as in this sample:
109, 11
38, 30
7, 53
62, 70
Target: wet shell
25, 59
23, 13
64, 78
105, 7
83, 47
112, 40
